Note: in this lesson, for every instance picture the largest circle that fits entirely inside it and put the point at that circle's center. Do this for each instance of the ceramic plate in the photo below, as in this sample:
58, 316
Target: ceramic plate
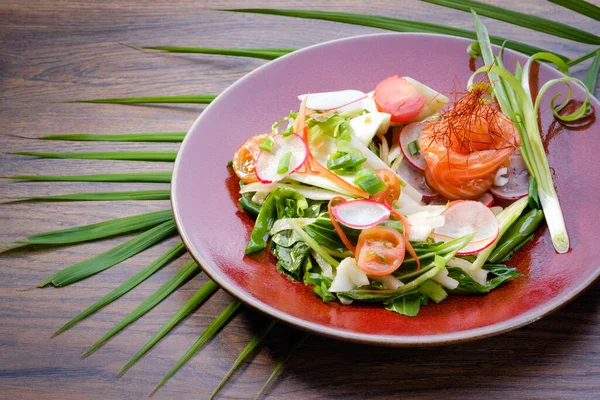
216, 230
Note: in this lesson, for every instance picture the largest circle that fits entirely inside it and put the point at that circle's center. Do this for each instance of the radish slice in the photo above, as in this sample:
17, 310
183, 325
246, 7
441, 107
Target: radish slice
464, 217
332, 100
409, 134
361, 214
517, 185
486, 199
416, 179
267, 162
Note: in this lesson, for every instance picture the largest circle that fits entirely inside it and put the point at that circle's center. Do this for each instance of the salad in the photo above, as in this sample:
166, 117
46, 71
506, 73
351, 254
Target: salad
389, 196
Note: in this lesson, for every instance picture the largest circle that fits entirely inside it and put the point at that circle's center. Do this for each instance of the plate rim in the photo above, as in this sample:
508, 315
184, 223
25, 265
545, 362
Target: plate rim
348, 335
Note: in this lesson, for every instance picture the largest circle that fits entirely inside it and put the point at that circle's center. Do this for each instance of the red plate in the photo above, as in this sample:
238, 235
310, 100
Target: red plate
216, 230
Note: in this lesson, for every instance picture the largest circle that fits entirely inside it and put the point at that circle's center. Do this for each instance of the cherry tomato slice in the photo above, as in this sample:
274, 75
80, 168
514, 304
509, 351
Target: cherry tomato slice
244, 159
391, 193
399, 98
380, 250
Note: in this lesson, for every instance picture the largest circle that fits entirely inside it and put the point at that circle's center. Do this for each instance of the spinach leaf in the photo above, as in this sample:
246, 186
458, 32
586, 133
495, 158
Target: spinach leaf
290, 260
321, 282
408, 305
466, 284
286, 238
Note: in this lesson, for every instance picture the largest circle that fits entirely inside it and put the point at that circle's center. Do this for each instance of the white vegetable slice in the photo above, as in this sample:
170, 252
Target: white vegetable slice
366, 126
409, 134
361, 214
479, 275
332, 100
348, 276
388, 281
423, 222
267, 162
416, 179
434, 100
465, 217
486, 199
517, 181
443, 279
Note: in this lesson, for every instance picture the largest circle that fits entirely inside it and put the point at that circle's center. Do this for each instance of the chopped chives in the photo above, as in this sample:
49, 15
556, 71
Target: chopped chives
287, 131
368, 181
343, 162
267, 144
284, 163
414, 148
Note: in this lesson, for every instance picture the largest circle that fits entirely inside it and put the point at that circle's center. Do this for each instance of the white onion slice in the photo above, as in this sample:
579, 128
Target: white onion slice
267, 162
331, 100
465, 217
361, 214
348, 276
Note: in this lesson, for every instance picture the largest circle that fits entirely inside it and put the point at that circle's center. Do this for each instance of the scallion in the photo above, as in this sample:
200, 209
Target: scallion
284, 163
342, 162
414, 148
368, 181
266, 144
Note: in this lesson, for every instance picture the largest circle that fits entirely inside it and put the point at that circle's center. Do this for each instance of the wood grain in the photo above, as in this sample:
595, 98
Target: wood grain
55, 51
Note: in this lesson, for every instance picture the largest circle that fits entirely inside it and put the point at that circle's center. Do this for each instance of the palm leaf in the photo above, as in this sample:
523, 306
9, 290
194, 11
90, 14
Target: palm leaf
100, 230
516, 18
254, 342
203, 294
392, 24
106, 196
214, 327
159, 177
184, 99
111, 257
265, 54
580, 6
129, 137
592, 74
123, 155
126, 286
280, 364
584, 57
187, 272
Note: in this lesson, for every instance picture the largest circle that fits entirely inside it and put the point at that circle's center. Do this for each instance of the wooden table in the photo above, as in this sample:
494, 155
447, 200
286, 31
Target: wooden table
55, 51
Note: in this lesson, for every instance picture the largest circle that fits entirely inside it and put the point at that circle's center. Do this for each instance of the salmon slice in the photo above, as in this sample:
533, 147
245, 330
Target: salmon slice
466, 146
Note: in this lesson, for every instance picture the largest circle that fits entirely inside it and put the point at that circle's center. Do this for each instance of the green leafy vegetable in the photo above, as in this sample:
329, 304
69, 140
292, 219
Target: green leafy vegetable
126, 286
187, 272
111, 257
129, 137
466, 284
433, 291
203, 294
408, 305
290, 260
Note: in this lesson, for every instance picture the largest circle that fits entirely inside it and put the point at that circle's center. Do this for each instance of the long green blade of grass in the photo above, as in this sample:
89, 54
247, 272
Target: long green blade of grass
391, 24
516, 18
111, 257
219, 322
203, 294
280, 364
157, 177
187, 272
126, 286
581, 59
129, 137
580, 6
254, 342
185, 99
592, 75
122, 155
106, 196
265, 54
100, 230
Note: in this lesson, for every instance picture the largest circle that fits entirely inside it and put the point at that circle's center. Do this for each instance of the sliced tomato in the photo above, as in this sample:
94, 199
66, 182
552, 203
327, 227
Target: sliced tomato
244, 159
399, 98
380, 250
391, 193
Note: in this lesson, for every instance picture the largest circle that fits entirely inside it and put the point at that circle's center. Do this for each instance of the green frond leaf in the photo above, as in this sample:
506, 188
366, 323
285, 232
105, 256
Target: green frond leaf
581, 59
592, 74
158, 177
122, 155
581, 7
100, 230
106, 196
265, 54
254, 342
129, 137
203, 294
516, 18
111, 257
184, 99
391, 24
126, 286
187, 272
218, 323
280, 364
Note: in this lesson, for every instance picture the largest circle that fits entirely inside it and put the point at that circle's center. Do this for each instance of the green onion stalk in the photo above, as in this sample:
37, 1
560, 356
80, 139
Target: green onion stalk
516, 102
